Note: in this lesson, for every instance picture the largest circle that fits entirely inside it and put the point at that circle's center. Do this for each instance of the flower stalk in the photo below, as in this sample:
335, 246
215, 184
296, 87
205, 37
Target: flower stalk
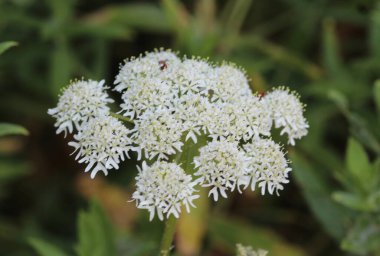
168, 236
121, 118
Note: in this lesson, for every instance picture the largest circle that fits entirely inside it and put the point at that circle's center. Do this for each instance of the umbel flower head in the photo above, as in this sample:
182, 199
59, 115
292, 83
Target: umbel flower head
242, 250
102, 143
220, 165
267, 166
163, 188
169, 104
287, 112
78, 103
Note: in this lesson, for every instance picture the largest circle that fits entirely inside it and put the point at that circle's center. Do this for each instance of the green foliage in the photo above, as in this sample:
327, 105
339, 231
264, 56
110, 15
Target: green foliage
358, 165
376, 93
12, 129
95, 233
45, 249
227, 232
363, 199
6, 45
96, 236
328, 50
317, 193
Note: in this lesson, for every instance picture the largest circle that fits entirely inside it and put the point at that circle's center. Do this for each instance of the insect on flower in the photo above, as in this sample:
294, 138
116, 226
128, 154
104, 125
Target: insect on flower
163, 64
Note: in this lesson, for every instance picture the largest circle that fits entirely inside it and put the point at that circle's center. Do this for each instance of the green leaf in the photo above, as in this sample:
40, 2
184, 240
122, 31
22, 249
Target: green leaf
61, 65
227, 232
318, 195
331, 56
364, 236
374, 33
358, 164
361, 131
279, 54
12, 129
44, 248
142, 16
6, 45
376, 95
96, 235
339, 99
10, 170
352, 201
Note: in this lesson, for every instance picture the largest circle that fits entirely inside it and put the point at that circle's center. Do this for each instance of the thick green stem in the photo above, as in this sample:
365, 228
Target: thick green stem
122, 118
167, 238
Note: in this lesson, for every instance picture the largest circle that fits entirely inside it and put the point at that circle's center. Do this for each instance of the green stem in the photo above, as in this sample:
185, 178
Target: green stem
167, 238
122, 118
185, 158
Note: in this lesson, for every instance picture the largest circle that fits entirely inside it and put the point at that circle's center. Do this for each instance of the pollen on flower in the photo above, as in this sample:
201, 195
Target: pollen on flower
79, 102
164, 188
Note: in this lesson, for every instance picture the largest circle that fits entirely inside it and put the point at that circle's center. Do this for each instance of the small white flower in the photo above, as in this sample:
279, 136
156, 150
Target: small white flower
158, 134
287, 112
195, 76
254, 112
240, 120
248, 251
268, 166
190, 109
148, 82
149, 94
164, 188
220, 165
157, 64
79, 102
102, 144
231, 83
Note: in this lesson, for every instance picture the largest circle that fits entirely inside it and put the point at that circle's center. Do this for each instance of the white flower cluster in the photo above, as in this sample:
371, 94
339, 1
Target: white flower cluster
220, 166
163, 188
102, 144
287, 112
79, 102
173, 102
267, 166
242, 250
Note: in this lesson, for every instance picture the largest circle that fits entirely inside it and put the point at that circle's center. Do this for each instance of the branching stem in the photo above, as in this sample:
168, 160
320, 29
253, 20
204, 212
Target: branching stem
122, 118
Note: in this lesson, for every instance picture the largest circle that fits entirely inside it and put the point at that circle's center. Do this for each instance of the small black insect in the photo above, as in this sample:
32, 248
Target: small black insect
163, 64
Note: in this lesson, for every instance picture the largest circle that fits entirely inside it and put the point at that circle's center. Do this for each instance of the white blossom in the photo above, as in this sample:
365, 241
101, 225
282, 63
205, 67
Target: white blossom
287, 112
220, 165
164, 188
248, 251
102, 144
195, 76
191, 109
231, 85
268, 166
149, 94
158, 134
240, 121
158, 64
79, 102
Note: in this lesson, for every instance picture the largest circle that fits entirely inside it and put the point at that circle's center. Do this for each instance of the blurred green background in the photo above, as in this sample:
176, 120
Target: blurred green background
329, 51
